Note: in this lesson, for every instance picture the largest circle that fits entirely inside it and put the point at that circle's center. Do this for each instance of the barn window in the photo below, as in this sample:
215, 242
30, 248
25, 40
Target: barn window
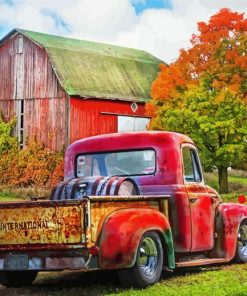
131, 123
19, 45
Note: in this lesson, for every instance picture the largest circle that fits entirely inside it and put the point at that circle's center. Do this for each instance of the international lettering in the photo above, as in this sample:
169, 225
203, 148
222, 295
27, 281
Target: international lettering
8, 226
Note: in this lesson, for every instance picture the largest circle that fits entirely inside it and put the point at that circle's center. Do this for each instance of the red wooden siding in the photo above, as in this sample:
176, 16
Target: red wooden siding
29, 76
86, 118
43, 118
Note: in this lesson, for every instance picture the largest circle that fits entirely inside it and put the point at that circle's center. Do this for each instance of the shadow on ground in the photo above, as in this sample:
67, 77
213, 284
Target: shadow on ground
83, 283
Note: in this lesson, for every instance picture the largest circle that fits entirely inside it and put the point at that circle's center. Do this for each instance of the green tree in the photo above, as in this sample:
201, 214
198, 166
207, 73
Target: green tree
215, 119
204, 92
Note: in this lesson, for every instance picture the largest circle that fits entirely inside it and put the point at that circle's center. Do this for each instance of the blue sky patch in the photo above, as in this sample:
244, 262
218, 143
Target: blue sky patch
9, 2
141, 5
4, 31
59, 22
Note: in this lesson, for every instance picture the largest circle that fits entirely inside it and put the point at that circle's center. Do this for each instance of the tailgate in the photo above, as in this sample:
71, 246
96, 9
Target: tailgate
42, 222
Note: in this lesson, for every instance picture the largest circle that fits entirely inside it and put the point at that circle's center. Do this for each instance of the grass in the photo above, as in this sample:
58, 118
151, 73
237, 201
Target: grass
200, 282
237, 184
12, 194
218, 281
238, 179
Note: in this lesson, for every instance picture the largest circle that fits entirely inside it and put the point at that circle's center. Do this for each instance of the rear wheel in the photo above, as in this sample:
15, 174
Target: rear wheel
148, 266
17, 278
241, 249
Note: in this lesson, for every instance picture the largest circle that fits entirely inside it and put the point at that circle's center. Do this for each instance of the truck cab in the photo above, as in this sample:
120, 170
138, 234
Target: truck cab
159, 163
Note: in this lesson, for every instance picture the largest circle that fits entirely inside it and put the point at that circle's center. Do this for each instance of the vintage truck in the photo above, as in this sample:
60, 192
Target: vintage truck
134, 202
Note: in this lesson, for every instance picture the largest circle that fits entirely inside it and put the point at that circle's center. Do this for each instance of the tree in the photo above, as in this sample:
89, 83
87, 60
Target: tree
204, 92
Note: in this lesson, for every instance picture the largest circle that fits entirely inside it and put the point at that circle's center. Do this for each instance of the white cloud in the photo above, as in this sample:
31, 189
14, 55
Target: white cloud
99, 19
165, 32
233, 4
162, 32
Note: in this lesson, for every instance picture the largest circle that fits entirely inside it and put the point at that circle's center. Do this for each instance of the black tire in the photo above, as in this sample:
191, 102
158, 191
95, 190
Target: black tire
149, 262
241, 247
17, 278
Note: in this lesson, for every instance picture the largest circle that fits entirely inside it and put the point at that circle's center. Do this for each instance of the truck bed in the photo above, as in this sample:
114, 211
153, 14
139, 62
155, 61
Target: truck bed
57, 235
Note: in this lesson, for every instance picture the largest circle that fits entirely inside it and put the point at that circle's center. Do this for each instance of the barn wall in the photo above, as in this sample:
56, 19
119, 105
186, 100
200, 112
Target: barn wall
86, 118
49, 125
7, 108
28, 76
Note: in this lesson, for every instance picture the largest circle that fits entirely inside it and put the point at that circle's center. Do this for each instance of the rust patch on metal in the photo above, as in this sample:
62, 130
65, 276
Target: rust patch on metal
41, 225
100, 211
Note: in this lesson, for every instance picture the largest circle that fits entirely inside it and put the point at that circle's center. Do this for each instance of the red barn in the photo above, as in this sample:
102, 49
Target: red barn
63, 89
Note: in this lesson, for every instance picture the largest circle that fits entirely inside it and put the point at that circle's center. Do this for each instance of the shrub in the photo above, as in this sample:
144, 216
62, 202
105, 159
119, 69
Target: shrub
7, 141
35, 166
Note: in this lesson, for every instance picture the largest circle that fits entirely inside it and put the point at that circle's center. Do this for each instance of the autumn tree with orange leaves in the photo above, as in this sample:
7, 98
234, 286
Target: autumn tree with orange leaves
204, 92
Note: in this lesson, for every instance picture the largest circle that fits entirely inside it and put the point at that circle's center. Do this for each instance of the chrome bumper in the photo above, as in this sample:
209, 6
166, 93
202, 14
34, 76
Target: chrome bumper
26, 262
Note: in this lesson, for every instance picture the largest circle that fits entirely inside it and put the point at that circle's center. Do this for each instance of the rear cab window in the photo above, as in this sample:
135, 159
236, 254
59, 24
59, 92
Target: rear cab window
119, 163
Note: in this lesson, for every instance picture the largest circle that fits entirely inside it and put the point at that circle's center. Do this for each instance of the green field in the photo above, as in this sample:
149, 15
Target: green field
237, 179
12, 194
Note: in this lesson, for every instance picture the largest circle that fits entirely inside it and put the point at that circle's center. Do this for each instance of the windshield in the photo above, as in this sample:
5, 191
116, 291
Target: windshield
124, 163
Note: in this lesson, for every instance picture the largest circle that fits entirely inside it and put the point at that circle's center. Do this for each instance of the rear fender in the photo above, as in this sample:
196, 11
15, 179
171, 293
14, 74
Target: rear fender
121, 234
228, 219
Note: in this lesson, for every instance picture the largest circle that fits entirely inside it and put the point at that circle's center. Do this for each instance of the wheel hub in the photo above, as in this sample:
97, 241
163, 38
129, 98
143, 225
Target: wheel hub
148, 256
242, 240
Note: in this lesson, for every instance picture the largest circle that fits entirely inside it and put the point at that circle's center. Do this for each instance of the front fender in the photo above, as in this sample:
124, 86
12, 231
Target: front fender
121, 234
228, 219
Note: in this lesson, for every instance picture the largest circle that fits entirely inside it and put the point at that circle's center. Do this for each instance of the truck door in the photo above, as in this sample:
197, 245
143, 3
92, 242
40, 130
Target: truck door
201, 203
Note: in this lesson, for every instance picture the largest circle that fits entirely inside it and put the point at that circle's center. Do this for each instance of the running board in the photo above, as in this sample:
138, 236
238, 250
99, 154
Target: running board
201, 262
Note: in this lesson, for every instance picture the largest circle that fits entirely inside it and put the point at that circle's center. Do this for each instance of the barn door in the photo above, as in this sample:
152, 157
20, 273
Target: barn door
19, 86
20, 107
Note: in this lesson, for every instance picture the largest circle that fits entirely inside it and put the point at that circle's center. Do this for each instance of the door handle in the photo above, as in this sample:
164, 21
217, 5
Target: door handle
214, 198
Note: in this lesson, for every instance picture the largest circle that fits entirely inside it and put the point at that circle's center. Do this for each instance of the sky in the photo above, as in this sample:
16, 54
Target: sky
161, 27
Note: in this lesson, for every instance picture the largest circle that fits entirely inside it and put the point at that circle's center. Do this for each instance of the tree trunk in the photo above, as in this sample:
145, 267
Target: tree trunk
223, 179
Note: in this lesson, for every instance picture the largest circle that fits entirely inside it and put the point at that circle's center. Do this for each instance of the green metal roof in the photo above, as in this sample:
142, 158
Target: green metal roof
90, 69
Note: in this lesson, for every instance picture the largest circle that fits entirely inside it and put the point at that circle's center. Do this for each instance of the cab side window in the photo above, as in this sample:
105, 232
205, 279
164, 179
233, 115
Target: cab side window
192, 170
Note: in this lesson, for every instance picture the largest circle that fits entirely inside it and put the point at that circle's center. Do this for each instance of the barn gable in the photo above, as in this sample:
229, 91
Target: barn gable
30, 90
90, 69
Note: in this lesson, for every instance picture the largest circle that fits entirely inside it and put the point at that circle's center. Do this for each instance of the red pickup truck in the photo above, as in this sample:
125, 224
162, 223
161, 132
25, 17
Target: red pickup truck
135, 202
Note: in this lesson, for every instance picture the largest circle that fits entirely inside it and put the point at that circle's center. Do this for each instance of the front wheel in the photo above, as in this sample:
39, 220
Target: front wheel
17, 278
148, 266
241, 248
